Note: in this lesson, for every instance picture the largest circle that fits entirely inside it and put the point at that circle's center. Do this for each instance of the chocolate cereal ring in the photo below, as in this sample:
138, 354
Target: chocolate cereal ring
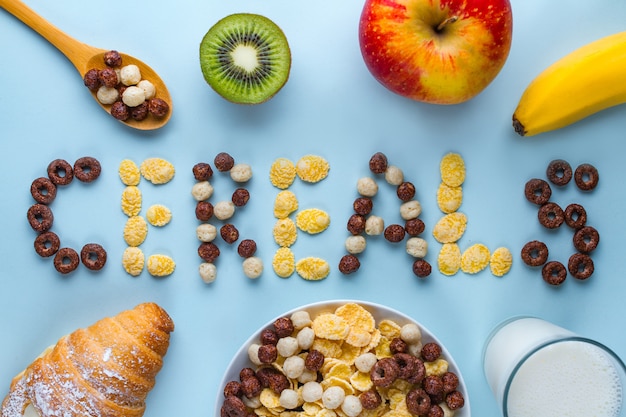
66, 260
537, 191
580, 266
586, 177
586, 239
559, 172
93, 256
60, 172
551, 215
40, 217
554, 273
47, 244
418, 402
43, 190
87, 169
575, 216
384, 372
535, 253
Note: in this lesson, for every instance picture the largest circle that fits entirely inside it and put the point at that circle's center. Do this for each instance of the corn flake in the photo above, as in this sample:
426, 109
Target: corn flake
449, 259
131, 200
160, 265
270, 399
158, 215
450, 227
312, 269
449, 199
312, 220
329, 348
285, 232
330, 326
437, 367
285, 203
501, 261
135, 231
157, 170
361, 381
389, 328
452, 169
282, 173
284, 262
133, 261
129, 172
312, 168
475, 258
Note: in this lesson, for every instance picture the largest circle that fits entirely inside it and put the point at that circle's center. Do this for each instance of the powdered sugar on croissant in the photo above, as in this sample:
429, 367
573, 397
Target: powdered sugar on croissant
104, 370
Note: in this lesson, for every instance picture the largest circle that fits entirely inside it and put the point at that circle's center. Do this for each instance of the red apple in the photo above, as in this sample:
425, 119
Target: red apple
436, 51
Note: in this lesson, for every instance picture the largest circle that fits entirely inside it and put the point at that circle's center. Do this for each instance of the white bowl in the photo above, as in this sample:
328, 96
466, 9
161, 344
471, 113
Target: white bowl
378, 311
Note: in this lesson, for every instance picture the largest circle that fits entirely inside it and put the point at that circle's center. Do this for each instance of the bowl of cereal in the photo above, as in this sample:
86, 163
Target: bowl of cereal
342, 357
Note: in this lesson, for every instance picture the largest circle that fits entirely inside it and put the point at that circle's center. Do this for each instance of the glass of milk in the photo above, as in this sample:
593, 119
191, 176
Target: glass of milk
535, 368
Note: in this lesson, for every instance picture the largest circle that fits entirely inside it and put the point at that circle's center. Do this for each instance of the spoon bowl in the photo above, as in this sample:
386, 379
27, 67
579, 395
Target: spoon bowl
85, 57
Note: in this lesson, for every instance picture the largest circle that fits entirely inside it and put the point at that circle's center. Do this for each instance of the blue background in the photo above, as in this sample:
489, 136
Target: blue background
332, 107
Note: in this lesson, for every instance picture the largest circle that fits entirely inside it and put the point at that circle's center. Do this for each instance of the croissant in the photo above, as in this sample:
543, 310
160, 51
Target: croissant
104, 370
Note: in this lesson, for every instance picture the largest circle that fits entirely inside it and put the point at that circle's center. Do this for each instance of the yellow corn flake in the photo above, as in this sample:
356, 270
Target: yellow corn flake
452, 169
284, 262
312, 269
282, 173
334, 381
437, 367
157, 170
312, 220
349, 353
329, 348
475, 258
450, 227
312, 168
269, 399
389, 328
362, 381
158, 215
129, 172
383, 348
131, 200
285, 203
501, 261
340, 369
285, 232
375, 340
133, 261
449, 199
161, 265
361, 323
135, 231
449, 259
330, 326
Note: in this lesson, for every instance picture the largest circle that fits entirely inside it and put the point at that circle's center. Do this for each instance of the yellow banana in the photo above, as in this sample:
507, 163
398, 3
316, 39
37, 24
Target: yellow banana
590, 79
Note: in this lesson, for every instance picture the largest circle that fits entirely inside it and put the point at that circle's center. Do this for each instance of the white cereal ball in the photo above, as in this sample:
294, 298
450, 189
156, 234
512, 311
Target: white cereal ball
333, 397
394, 175
417, 247
241, 173
367, 187
410, 210
411, 333
107, 95
148, 88
254, 402
307, 376
355, 244
365, 362
253, 267
374, 225
351, 406
253, 354
208, 272
301, 319
414, 349
312, 391
130, 74
206, 232
293, 367
202, 190
287, 346
305, 338
133, 96
224, 210
288, 399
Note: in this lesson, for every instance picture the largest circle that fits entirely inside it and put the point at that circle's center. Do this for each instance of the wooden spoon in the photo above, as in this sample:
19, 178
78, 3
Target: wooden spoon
85, 57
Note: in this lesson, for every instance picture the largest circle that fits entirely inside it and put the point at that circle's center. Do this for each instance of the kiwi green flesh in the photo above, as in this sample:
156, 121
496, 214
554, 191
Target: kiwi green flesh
245, 58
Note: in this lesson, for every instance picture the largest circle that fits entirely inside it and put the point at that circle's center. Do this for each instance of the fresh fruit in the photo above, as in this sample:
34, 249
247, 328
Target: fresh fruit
578, 85
436, 51
245, 58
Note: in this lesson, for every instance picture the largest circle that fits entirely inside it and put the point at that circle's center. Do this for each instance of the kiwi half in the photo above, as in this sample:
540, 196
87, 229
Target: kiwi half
245, 58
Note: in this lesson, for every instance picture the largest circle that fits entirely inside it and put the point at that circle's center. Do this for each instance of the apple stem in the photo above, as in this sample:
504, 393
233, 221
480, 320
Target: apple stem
446, 22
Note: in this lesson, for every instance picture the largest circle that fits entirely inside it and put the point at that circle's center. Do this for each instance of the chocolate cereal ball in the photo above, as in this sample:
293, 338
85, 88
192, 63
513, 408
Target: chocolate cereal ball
202, 171
349, 264
223, 162
378, 163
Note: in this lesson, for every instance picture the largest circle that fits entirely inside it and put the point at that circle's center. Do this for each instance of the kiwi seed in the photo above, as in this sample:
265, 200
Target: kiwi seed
245, 58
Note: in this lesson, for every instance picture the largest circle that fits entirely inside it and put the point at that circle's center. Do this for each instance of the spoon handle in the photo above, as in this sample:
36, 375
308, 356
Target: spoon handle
77, 52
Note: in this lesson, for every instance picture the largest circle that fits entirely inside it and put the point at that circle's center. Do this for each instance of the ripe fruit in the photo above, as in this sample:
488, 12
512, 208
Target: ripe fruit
578, 85
436, 51
245, 58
